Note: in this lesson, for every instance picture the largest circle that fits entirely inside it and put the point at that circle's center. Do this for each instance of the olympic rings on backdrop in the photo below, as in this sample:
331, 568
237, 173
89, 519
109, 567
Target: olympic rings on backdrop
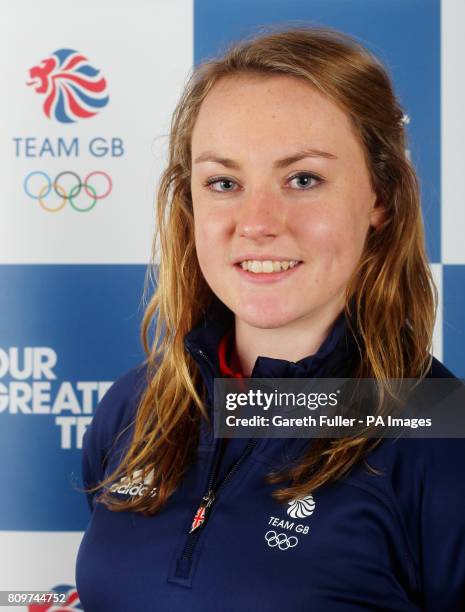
107, 192
72, 194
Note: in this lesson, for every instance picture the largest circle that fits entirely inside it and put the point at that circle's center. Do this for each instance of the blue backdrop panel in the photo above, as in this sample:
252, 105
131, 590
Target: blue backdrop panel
453, 315
89, 316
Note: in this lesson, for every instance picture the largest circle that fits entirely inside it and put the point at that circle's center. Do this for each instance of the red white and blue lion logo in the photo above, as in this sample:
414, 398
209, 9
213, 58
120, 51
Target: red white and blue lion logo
73, 88
71, 601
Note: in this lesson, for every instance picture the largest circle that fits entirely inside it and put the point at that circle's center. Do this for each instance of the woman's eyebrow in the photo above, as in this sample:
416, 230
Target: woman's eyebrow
280, 163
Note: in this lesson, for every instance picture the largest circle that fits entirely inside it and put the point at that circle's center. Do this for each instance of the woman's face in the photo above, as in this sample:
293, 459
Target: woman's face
278, 177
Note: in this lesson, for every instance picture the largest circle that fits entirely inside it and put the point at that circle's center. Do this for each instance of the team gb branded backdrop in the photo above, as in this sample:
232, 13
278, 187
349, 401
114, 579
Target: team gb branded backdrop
88, 91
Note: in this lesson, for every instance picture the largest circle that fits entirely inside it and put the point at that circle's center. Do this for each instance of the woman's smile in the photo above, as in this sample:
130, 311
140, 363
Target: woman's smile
267, 270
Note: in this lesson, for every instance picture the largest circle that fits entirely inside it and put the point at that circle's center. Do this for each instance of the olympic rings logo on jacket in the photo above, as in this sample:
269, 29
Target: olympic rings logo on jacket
281, 540
53, 186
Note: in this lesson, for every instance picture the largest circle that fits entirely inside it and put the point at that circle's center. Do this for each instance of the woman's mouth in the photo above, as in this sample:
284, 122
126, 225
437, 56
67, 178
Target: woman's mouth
268, 266
268, 269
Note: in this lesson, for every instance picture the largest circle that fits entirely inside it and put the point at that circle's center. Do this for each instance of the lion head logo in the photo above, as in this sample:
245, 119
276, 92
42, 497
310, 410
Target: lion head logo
72, 87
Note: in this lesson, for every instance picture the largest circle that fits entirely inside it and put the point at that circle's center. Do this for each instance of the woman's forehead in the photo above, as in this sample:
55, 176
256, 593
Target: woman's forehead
276, 115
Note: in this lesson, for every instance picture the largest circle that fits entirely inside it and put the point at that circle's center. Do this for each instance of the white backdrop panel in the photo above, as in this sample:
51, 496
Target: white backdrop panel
453, 131
144, 54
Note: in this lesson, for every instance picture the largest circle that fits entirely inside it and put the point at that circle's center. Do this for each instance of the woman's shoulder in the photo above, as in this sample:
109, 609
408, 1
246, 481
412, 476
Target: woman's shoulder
131, 382
113, 416
118, 406
439, 370
126, 389
420, 460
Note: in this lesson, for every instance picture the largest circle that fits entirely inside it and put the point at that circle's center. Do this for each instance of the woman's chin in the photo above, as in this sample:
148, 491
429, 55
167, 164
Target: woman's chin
264, 317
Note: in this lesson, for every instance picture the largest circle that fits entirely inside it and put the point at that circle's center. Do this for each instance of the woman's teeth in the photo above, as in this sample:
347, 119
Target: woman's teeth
267, 266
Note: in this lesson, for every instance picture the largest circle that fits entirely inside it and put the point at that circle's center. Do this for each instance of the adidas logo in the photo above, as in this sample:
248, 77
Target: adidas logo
135, 485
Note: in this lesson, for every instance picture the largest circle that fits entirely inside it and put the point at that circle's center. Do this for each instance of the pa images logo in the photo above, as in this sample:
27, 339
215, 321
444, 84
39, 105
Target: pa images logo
73, 89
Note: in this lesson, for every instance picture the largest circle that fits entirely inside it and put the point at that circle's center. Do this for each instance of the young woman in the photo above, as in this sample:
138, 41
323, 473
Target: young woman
291, 246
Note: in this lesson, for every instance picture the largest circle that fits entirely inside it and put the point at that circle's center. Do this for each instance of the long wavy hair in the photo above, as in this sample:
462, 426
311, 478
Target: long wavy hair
391, 292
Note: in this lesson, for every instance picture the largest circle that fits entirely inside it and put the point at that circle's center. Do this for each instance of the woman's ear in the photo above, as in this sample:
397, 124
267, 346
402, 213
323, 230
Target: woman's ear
378, 215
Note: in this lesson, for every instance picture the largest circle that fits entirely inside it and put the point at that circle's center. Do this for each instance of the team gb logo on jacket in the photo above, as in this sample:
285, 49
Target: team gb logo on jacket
284, 538
301, 508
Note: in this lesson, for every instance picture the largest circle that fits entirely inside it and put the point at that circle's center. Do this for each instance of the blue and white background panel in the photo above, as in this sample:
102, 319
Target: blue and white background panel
82, 143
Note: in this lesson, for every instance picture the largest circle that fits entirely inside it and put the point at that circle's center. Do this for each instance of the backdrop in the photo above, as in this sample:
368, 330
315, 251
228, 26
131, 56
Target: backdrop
88, 90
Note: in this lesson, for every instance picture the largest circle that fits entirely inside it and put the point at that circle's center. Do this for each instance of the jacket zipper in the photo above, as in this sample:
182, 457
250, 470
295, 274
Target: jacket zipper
207, 502
208, 499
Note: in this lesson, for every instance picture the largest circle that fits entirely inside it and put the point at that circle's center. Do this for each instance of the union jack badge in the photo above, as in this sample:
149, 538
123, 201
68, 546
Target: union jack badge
201, 514
199, 518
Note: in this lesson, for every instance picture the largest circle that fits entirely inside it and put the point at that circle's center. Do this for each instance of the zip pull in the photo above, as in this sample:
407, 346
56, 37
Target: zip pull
201, 515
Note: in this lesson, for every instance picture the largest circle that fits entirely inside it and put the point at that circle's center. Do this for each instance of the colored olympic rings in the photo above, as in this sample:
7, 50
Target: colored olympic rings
72, 193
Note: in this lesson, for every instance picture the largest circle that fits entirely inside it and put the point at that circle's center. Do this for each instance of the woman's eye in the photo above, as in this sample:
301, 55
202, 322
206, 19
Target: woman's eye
225, 184
305, 180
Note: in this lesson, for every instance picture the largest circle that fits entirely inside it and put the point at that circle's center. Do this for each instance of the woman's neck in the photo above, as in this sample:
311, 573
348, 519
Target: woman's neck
291, 342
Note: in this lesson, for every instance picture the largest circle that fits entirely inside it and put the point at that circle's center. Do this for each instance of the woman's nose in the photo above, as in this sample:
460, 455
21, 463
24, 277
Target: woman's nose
260, 215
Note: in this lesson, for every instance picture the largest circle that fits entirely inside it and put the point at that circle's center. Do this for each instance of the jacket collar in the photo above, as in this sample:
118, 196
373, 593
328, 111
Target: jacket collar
336, 357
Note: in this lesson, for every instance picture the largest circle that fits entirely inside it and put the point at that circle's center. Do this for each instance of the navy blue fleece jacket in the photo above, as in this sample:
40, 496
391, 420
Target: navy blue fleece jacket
392, 541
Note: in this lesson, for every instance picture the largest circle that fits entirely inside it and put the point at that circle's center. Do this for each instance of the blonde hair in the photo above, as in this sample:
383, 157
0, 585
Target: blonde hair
391, 291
